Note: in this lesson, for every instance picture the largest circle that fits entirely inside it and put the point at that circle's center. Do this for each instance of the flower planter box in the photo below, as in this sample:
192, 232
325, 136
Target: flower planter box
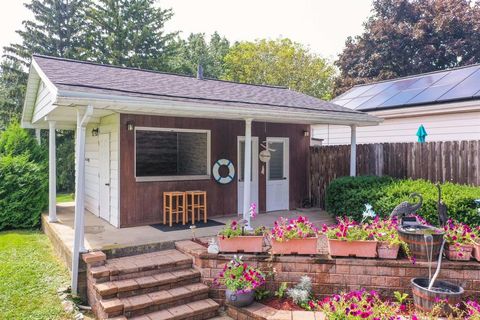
356, 248
476, 251
385, 251
251, 244
461, 253
295, 246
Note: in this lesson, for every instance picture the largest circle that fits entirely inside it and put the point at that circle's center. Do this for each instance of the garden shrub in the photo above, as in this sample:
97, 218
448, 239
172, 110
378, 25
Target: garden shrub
347, 196
23, 179
15, 141
23, 192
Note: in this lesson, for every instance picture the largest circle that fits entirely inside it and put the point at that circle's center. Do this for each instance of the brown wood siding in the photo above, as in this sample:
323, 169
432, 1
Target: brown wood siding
141, 202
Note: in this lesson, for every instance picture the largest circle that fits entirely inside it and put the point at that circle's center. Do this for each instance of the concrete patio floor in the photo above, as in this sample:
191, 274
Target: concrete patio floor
100, 235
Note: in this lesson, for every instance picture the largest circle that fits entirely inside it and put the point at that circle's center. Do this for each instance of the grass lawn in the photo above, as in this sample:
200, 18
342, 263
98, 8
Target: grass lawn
64, 197
30, 276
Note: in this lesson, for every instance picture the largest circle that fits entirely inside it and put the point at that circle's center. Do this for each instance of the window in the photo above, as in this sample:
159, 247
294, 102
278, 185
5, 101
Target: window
171, 154
276, 161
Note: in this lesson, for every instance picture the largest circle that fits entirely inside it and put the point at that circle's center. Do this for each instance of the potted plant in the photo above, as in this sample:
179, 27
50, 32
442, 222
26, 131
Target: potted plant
385, 232
234, 238
348, 238
460, 240
294, 236
240, 281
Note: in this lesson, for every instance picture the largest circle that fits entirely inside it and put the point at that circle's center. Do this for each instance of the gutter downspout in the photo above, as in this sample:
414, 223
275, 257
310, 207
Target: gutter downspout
78, 241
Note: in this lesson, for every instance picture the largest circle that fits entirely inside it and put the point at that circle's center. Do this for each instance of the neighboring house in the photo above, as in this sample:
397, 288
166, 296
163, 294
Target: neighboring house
142, 133
447, 103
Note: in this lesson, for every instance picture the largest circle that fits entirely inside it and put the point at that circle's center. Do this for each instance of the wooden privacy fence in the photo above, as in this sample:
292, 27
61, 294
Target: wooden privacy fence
455, 161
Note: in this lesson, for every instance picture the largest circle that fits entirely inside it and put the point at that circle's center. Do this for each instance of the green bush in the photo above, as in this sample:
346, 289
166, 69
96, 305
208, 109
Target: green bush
17, 141
347, 196
23, 192
23, 179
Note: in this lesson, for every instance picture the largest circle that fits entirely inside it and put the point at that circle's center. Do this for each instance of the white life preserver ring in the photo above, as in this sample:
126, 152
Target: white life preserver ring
216, 171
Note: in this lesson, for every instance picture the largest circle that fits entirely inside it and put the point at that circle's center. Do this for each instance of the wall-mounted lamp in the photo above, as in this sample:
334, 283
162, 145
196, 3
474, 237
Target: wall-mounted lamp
130, 126
94, 132
306, 133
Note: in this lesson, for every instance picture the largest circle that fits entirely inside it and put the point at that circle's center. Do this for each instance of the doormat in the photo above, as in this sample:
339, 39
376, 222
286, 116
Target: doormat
180, 226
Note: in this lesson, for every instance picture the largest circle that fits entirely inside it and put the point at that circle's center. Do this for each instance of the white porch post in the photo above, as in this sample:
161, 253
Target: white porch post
52, 173
247, 173
353, 151
78, 242
38, 136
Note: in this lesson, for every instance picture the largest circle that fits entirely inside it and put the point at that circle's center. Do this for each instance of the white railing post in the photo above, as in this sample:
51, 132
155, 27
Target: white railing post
247, 173
353, 151
52, 173
78, 241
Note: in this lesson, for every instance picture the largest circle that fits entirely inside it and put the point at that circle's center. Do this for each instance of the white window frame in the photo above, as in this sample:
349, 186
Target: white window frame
173, 178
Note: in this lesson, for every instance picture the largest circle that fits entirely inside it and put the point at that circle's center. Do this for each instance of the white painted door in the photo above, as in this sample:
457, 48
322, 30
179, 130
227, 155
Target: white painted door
104, 175
240, 172
278, 174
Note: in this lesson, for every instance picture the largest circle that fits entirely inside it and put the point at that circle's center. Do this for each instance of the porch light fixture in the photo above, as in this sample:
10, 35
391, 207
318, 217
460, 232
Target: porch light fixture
94, 132
130, 126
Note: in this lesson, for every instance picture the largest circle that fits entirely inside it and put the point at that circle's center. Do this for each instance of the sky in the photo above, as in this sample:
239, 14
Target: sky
322, 25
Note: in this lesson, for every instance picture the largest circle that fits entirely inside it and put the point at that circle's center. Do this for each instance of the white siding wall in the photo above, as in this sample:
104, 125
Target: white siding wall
109, 124
43, 101
444, 127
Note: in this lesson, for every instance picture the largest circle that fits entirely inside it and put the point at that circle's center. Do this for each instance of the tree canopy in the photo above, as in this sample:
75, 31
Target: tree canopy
196, 50
129, 33
280, 62
405, 37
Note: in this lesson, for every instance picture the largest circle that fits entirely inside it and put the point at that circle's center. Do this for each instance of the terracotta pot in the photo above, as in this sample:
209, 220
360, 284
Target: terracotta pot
476, 251
386, 251
461, 253
295, 246
252, 244
356, 248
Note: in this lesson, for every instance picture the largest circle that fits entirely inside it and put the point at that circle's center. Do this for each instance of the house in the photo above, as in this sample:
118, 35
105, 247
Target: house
140, 133
446, 103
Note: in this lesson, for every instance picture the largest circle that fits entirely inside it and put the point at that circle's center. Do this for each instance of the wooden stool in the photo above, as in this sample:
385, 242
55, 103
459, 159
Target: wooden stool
173, 203
196, 202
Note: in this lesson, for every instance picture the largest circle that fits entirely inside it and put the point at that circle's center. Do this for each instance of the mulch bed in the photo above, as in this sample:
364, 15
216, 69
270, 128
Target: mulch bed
281, 304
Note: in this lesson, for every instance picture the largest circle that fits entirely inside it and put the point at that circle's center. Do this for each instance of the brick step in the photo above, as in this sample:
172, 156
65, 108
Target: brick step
148, 284
196, 310
141, 265
154, 301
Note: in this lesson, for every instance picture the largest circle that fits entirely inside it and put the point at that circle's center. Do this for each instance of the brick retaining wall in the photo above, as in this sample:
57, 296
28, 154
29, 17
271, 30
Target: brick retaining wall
336, 275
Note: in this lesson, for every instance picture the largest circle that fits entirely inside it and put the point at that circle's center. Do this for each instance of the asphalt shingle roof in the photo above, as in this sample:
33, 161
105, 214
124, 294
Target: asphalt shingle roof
90, 77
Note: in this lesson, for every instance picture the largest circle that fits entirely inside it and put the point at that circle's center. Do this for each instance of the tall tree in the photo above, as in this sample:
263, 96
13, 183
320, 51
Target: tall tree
12, 92
196, 50
280, 62
55, 30
405, 37
129, 33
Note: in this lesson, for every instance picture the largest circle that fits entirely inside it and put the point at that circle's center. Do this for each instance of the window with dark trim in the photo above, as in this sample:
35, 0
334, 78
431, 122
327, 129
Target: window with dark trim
171, 154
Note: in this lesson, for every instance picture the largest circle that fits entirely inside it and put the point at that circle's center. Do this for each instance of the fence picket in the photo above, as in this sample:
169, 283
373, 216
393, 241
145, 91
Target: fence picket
456, 161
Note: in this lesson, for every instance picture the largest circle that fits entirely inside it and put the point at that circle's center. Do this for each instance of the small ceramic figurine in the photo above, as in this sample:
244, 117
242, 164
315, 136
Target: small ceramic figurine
212, 246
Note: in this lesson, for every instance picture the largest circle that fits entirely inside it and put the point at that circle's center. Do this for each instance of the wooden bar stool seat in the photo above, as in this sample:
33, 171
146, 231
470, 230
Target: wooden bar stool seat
174, 203
196, 203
